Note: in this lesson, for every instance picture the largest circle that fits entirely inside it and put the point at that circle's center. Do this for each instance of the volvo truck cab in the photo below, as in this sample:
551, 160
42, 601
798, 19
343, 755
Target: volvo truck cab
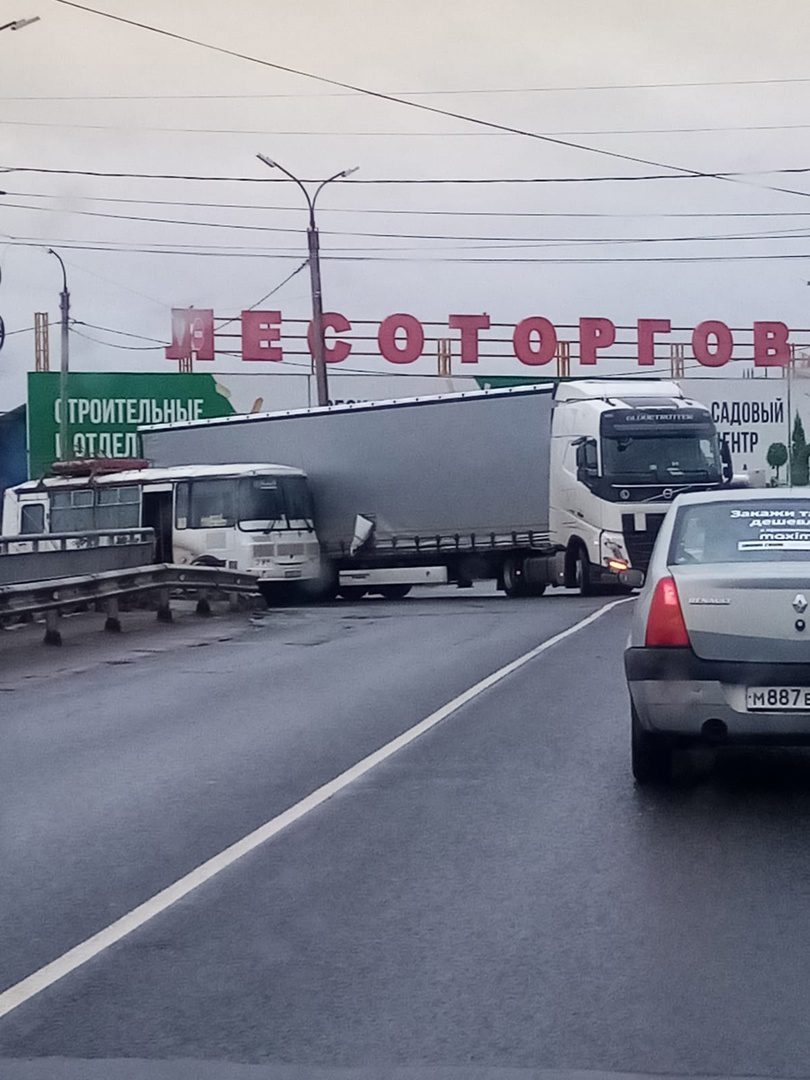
620, 453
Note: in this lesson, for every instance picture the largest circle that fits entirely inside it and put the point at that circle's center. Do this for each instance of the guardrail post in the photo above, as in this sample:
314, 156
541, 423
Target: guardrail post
164, 611
113, 621
203, 603
53, 635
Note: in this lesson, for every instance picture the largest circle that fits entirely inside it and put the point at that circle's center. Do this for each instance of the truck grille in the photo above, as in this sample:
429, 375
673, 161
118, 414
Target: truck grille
640, 542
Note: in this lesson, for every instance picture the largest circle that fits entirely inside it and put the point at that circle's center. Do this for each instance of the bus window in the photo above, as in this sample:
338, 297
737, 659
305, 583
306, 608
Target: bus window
72, 511
297, 498
260, 503
32, 518
181, 506
213, 504
118, 507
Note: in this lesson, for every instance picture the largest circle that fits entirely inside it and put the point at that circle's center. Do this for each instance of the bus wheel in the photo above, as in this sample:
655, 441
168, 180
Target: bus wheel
394, 592
277, 594
352, 592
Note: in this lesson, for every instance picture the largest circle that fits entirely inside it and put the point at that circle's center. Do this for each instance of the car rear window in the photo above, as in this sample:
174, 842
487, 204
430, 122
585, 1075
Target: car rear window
741, 532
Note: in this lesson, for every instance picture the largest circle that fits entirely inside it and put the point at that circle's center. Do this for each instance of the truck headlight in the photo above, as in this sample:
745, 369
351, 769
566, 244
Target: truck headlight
613, 552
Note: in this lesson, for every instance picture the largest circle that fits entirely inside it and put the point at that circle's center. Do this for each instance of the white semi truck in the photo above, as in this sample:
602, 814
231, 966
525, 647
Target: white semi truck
530, 486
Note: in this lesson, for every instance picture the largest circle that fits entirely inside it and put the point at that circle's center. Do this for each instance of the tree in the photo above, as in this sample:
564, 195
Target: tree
777, 456
798, 455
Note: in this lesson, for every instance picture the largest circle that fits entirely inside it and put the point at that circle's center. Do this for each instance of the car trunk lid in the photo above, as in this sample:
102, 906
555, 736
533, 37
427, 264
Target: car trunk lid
754, 612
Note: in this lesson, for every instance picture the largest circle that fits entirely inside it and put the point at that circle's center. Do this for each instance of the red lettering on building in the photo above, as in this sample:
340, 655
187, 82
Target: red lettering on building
714, 354
387, 338
261, 333
338, 350
771, 348
524, 336
647, 329
594, 334
192, 334
469, 325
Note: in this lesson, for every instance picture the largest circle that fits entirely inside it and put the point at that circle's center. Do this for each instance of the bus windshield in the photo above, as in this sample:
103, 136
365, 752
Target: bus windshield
264, 501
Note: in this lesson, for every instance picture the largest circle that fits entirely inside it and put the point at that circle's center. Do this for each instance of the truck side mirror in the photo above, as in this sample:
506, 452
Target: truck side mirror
728, 465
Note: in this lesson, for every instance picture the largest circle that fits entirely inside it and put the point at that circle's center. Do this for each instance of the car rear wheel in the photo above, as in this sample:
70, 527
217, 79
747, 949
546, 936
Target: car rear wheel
651, 754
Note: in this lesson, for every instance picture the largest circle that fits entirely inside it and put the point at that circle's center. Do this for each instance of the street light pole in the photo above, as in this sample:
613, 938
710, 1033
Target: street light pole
64, 365
314, 248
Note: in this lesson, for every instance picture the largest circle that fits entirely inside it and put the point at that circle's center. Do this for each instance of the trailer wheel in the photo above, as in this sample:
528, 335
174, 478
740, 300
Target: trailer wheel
394, 592
583, 573
514, 583
352, 592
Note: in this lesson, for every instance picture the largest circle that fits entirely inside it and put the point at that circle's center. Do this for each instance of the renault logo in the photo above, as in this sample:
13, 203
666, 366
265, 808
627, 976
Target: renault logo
800, 604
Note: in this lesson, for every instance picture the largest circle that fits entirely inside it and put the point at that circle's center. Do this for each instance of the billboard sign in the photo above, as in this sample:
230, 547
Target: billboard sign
105, 411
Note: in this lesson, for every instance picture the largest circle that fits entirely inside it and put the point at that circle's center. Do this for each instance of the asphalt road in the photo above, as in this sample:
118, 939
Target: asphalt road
497, 896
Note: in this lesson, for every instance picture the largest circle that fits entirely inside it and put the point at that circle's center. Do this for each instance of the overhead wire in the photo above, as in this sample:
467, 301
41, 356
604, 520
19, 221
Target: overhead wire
388, 133
517, 241
395, 99
455, 92
416, 213
423, 180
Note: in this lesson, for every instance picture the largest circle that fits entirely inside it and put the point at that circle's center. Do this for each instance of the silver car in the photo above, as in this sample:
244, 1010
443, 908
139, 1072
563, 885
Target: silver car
719, 648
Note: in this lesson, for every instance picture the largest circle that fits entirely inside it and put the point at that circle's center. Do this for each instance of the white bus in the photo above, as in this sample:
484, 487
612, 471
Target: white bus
251, 518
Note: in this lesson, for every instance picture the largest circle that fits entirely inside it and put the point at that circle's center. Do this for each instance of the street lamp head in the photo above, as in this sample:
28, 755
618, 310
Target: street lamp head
268, 161
20, 24
348, 172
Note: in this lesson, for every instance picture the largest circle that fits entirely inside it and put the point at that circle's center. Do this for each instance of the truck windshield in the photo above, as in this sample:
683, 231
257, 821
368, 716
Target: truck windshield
671, 457
270, 502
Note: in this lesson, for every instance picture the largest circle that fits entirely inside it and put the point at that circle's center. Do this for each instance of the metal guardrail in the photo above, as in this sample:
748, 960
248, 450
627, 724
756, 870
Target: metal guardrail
108, 587
45, 556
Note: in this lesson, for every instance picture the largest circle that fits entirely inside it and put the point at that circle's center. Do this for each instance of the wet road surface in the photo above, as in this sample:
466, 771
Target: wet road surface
496, 896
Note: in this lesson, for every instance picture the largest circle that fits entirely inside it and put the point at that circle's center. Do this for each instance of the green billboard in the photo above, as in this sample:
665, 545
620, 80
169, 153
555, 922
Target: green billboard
104, 411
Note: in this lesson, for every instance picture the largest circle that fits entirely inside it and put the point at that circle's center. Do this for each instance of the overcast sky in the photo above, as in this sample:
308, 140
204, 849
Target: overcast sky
121, 79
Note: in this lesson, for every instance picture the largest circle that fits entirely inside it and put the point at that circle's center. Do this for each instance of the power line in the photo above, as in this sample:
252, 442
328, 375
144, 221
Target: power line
382, 180
460, 92
151, 129
394, 99
115, 344
488, 261
267, 295
420, 213
517, 241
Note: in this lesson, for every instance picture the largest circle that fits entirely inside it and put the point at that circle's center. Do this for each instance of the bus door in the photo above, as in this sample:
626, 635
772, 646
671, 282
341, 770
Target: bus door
157, 514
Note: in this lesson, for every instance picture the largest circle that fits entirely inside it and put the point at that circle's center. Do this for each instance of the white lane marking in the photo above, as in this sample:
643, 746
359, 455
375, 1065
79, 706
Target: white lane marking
81, 954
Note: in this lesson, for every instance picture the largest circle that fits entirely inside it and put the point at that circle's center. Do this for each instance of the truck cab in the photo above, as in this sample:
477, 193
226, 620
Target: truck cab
620, 453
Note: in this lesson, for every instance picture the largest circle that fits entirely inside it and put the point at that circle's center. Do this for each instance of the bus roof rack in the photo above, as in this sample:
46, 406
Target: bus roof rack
96, 466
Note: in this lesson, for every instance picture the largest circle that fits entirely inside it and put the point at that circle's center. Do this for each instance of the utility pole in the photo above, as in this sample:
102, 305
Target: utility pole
65, 450
314, 248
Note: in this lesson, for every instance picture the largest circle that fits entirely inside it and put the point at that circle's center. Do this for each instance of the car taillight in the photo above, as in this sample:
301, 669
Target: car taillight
665, 624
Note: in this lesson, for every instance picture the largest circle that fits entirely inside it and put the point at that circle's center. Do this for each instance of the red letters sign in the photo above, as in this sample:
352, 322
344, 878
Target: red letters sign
535, 339
192, 334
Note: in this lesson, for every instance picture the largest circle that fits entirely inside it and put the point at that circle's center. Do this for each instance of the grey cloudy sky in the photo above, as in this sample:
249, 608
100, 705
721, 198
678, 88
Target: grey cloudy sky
119, 77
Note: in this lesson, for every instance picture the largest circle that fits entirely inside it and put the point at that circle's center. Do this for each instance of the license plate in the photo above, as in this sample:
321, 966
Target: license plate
778, 698
292, 573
